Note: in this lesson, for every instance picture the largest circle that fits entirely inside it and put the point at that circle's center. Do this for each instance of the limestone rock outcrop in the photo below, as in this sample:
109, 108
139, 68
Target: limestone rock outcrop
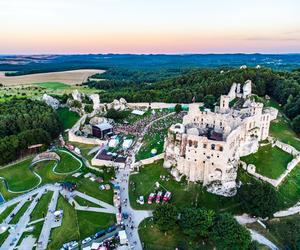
51, 101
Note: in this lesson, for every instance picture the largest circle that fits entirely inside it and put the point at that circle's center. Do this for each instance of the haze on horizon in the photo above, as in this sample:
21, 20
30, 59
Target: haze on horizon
153, 26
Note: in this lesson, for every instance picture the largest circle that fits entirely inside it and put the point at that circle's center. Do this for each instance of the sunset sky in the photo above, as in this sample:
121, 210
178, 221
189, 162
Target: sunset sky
149, 26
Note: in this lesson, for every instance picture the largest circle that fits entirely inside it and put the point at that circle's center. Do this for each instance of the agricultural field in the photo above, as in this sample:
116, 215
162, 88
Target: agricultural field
37, 90
71, 77
269, 161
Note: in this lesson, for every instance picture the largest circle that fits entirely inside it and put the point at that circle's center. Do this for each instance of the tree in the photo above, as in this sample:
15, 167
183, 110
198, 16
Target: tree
88, 108
196, 221
76, 104
209, 101
259, 199
165, 217
178, 108
228, 234
296, 124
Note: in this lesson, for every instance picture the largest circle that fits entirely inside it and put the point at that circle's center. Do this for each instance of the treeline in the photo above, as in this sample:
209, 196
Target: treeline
24, 122
209, 84
203, 225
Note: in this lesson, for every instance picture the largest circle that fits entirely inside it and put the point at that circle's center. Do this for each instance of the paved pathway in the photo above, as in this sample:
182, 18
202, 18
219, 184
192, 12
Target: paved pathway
262, 240
122, 178
13, 238
27, 243
45, 233
104, 207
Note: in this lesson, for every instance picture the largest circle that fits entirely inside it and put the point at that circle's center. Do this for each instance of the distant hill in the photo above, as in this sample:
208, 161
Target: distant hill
49, 63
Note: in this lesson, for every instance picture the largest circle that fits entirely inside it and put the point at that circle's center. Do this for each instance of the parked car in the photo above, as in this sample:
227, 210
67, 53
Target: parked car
167, 197
70, 245
110, 229
140, 200
158, 197
151, 198
86, 240
99, 234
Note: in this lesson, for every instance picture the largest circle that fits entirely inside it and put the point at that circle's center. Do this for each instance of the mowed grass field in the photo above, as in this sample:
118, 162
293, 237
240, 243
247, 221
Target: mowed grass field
269, 161
67, 118
19, 176
71, 77
53, 85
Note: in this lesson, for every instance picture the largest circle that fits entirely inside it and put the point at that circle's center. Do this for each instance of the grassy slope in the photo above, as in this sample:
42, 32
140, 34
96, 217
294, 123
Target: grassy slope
42, 206
68, 230
20, 213
6, 212
67, 163
153, 239
269, 161
155, 137
91, 222
289, 190
68, 118
19, 177
84, 202
143, 183
85, 149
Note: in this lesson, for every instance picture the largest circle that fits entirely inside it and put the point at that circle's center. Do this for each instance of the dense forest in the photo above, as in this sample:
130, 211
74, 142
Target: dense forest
24, 122
20, 65
206, 84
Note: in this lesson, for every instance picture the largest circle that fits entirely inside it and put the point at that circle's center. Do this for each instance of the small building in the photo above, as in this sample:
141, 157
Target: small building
102, 129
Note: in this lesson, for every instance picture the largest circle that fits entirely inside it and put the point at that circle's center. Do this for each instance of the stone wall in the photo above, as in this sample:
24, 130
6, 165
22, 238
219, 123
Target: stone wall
290, 166
98, 162
81, 139
150, 160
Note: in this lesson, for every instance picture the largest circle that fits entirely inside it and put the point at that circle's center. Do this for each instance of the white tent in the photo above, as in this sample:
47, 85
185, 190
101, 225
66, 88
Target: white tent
123, 237
138, 112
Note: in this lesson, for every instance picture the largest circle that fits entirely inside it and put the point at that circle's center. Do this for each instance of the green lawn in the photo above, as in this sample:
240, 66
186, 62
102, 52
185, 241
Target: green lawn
289, 190
91, 188
282, 130
6, 212
3, 237
53, 85
20, 213
68, 230
67, 118
143, 183
35, 233
92, 222
42, 206
77, 225
44, 169
84, 202
153, 239
19, 176
84, 149
269, 161
67, 163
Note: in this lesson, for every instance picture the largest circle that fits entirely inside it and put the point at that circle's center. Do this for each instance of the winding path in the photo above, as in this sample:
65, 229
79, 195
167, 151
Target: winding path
38, 176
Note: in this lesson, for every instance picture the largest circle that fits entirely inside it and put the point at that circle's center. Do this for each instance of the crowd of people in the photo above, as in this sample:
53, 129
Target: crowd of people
137, 127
